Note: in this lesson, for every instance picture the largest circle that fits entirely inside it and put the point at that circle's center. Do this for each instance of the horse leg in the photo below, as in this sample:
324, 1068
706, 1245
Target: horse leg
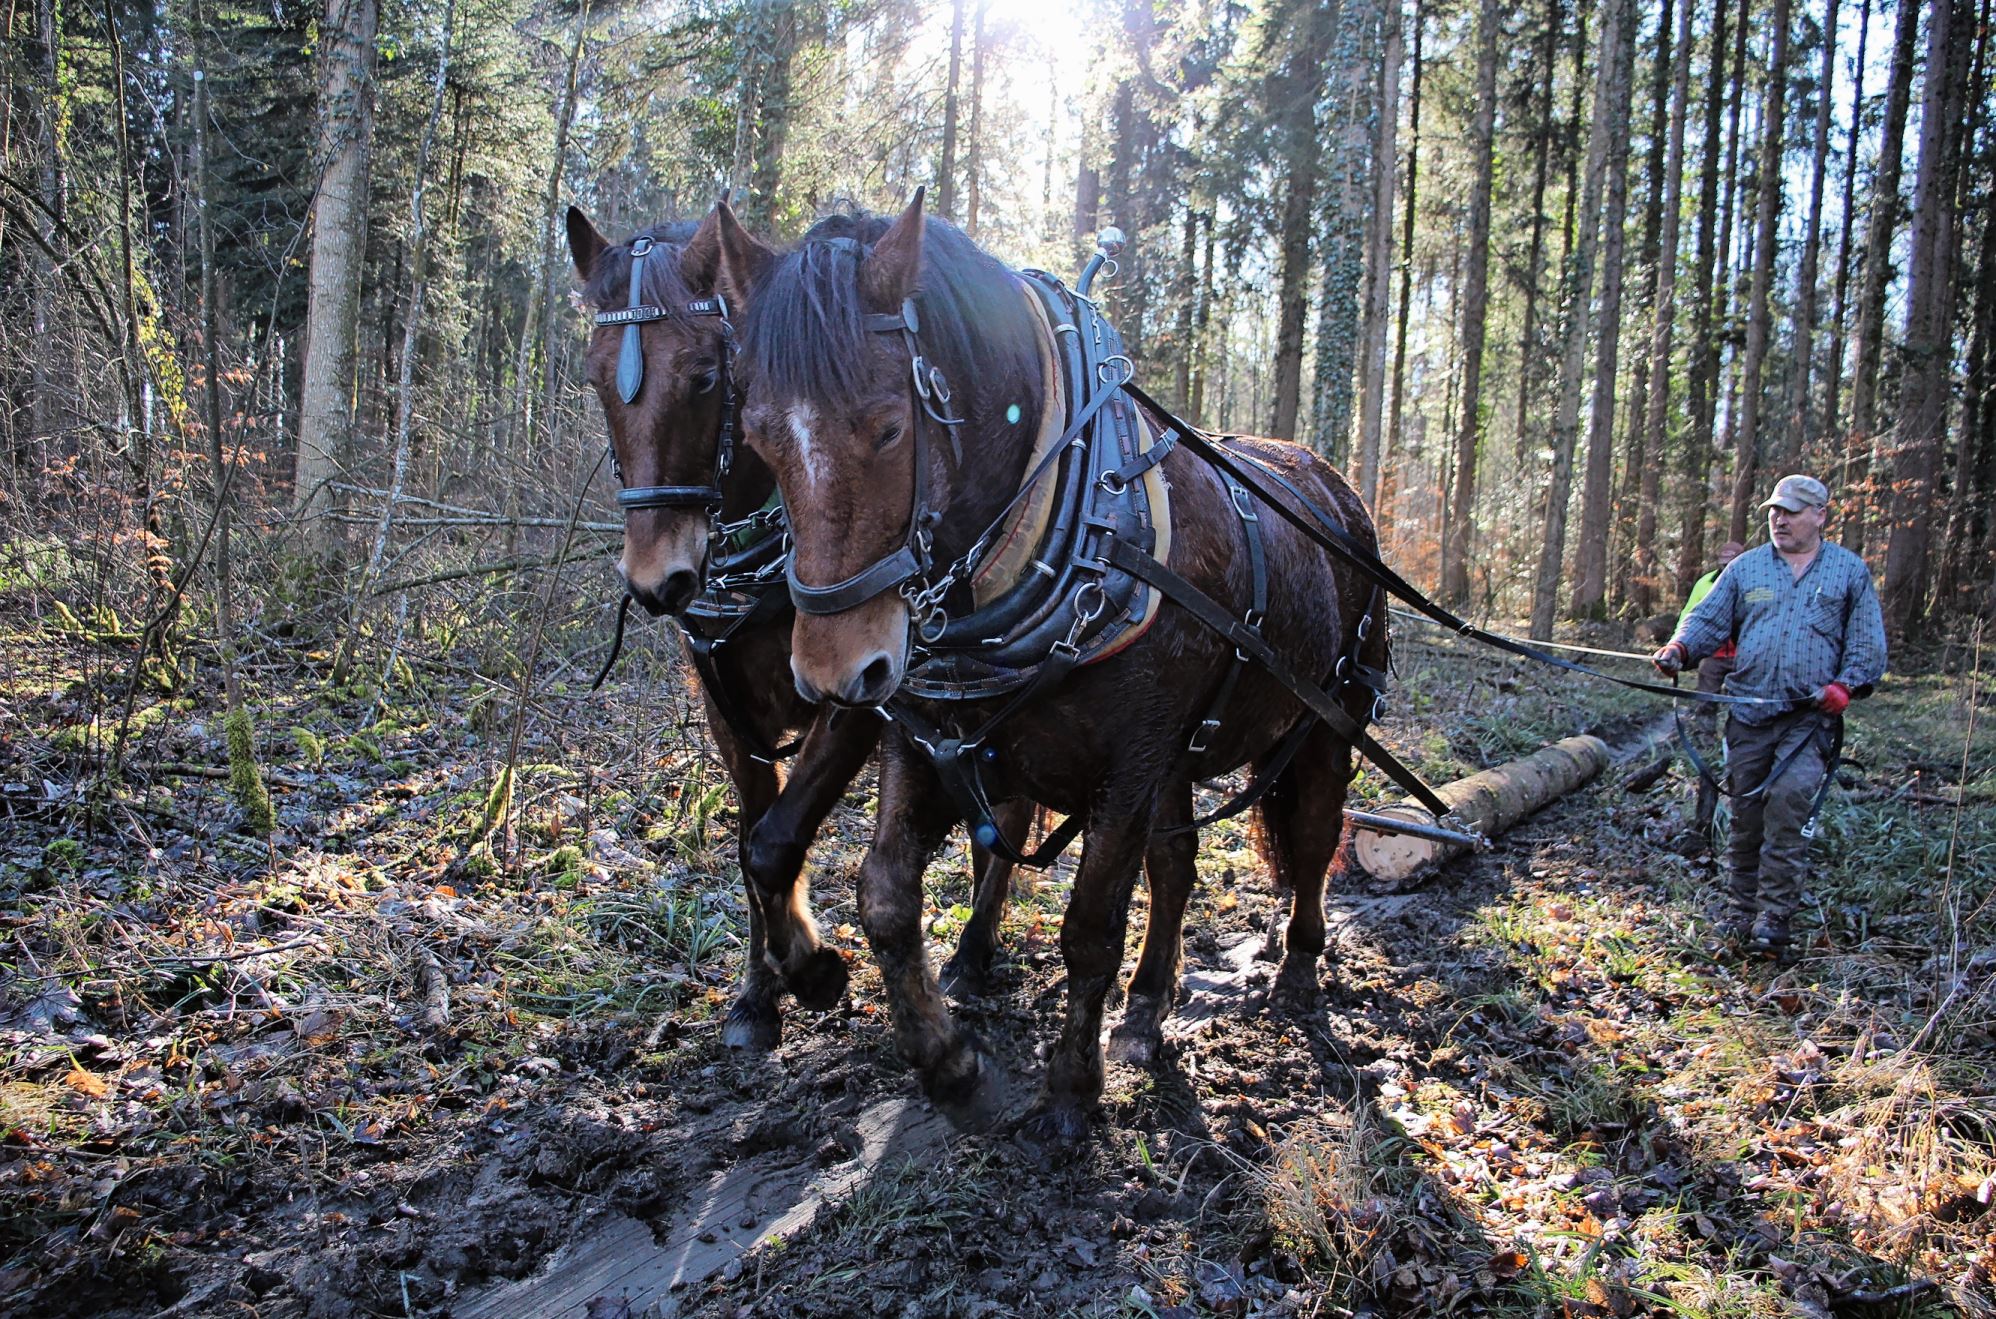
836, 745
752, 1021
1169, 865
1302, 821
1091, 943
968, 969
913, 818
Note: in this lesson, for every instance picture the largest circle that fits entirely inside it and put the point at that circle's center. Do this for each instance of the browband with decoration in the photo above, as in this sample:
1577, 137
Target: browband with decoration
631, 379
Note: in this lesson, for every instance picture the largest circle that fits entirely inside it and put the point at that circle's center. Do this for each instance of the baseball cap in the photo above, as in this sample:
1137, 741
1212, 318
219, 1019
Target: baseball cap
1797, 492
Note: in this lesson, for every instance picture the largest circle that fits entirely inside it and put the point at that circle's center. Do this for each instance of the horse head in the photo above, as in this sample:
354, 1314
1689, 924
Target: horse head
658, 361
852, 343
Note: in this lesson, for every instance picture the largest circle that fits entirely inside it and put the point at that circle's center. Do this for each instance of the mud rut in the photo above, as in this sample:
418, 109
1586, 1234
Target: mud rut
667, 1176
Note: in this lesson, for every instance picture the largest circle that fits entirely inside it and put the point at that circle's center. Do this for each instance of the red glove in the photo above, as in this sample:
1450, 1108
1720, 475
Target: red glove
1833, 699
1670, 660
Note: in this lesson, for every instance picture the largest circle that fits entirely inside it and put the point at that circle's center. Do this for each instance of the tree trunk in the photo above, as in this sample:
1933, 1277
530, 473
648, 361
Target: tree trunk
1930, 296
1721, 109
1832, 422
1485, 803
946, 171
974, 164
1590, 575
1379, 262
1528, 338
1609, 93
1346, 196
1767, 203
1395, 437
1298, 89
1460, 528
1800, 433
541, 309
1202, 316
1880, 224
412, 330
1663, 325
778, 38
339, 249
1628, 485
1956, 580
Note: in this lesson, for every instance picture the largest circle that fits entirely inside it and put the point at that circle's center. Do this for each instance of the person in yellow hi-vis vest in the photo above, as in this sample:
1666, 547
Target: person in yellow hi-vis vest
1712, 671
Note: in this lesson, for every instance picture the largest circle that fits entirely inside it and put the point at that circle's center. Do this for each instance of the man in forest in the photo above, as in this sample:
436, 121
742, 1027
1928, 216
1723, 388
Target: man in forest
1810, 636
1712, 671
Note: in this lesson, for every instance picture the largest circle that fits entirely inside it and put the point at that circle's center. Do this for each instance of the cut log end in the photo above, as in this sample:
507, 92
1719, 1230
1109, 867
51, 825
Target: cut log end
1487, 803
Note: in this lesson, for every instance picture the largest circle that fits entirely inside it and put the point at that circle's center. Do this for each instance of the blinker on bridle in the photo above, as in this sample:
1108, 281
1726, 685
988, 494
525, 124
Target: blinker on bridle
631, 379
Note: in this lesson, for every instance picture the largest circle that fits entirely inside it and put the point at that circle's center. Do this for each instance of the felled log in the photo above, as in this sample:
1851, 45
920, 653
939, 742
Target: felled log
1486, 803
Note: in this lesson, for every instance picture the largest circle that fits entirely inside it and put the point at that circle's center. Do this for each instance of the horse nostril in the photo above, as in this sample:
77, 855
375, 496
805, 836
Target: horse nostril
875, 679
678, 591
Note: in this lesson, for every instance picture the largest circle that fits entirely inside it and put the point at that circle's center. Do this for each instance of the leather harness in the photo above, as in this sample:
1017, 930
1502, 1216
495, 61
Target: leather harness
1088, 590
745, 558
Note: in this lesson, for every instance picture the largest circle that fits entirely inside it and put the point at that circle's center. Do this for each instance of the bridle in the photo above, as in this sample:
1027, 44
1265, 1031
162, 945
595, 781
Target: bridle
631, 379
906, 568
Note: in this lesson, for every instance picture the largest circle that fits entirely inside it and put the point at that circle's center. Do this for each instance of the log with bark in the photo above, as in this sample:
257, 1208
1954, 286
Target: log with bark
1486, 803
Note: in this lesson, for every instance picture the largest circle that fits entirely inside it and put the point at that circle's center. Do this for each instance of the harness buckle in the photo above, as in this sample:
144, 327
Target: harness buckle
1202, 736
1112, 484
1243, 502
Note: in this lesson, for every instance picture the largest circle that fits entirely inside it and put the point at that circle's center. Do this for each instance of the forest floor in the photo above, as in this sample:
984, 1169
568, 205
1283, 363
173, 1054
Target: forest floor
378, 1068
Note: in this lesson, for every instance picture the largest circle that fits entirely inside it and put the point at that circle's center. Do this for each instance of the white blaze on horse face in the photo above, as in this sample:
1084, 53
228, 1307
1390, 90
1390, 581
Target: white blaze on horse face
800, 418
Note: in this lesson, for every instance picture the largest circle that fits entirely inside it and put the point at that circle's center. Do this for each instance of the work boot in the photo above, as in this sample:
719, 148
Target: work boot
1770, 938
1734, 925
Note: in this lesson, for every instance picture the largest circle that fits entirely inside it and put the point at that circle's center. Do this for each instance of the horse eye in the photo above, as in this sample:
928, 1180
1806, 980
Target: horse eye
705, 381
887, 437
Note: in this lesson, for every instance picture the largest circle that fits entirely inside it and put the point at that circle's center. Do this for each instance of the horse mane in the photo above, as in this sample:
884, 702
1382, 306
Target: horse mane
609, 285
807, 335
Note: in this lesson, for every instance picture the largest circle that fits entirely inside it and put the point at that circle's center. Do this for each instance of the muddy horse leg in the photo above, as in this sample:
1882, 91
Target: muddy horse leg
1302, 820
1091, 942
1169, 866
836, 745
752, 1021
913, 818
968, 970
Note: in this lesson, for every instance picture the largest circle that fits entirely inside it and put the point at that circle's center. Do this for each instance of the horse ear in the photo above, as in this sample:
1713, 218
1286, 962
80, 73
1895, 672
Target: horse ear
700, 259
584, 243
742, 256
894, 267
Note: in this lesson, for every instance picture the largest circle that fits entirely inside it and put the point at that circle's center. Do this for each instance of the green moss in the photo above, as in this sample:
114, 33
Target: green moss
311, 746
63, 855
245, 782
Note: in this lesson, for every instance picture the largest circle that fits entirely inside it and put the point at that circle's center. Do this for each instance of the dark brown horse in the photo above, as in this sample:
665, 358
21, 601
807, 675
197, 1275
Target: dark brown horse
865, 474
665, 436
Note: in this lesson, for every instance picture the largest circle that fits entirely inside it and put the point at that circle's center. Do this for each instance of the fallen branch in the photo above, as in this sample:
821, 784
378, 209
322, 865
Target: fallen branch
477, 570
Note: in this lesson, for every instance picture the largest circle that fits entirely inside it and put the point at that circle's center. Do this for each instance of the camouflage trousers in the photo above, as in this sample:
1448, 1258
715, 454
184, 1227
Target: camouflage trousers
1768, 858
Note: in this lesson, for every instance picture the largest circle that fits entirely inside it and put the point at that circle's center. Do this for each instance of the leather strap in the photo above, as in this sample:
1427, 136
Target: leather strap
877, 578
1324, 530
668, 496
1249, 640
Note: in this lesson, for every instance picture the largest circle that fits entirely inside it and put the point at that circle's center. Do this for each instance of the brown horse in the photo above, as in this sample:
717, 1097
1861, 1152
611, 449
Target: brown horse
666, 437
865, 473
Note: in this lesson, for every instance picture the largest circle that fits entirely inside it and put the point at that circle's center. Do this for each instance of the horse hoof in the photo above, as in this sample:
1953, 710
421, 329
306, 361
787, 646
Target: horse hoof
819, 981
1134, 1047
1139, 1036
964, 977
975, 1094
1296, 989
753, 1028
1058, 1124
